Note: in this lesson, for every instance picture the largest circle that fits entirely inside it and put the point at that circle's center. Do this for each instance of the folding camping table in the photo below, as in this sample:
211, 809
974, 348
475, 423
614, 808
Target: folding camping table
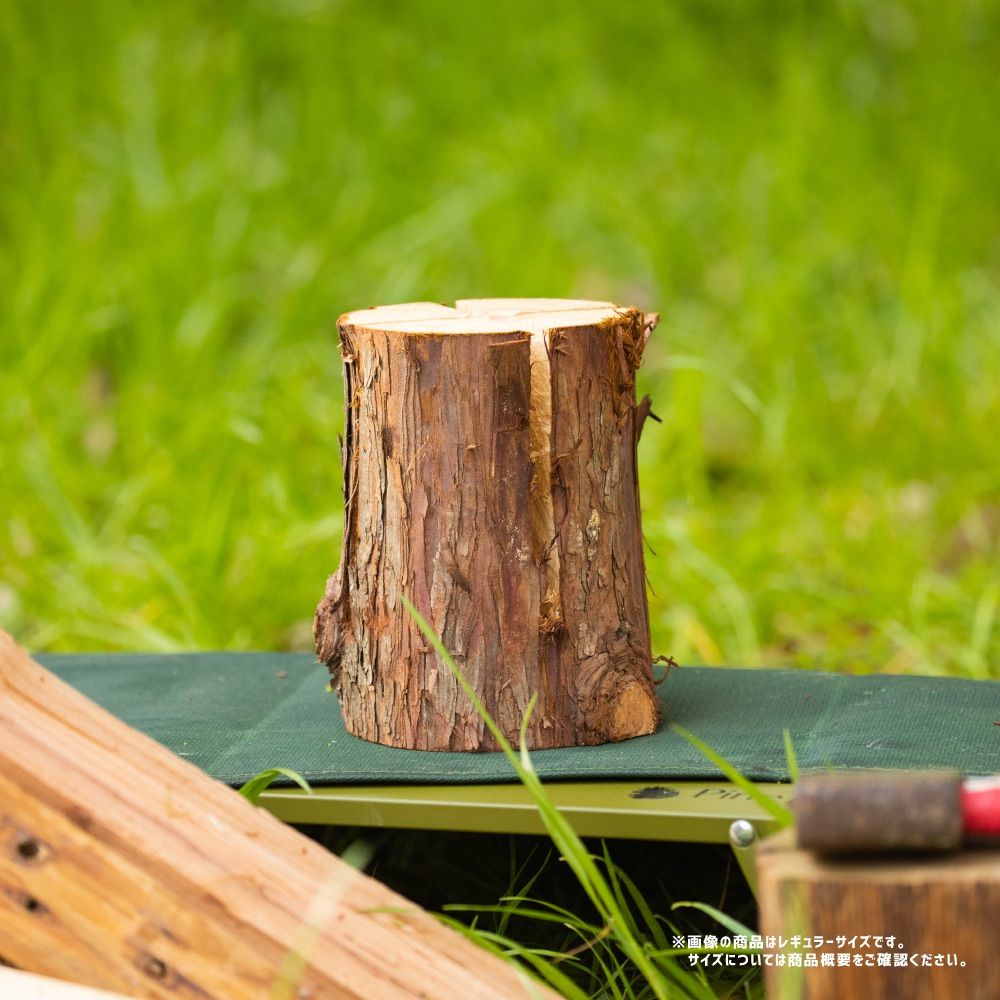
236, 714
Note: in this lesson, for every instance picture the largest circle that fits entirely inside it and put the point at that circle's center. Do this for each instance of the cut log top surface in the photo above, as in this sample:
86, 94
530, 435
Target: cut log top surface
473, 316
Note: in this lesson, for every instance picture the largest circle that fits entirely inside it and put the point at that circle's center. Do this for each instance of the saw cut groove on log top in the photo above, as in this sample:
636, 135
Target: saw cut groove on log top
490, 477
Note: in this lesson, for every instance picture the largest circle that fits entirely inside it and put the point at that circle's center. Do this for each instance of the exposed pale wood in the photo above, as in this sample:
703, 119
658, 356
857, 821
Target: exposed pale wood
126, 868
933, 904
405, 311
15, 985
490, 477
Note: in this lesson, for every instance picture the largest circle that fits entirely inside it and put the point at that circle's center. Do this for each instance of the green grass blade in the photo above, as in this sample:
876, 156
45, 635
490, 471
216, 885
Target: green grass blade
723, 918
656, 931
567, 841
793, 761
526, 912
781, 814
252, 789
506, 947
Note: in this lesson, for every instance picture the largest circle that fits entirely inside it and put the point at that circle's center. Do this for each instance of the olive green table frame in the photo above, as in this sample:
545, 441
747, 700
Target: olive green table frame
698, 811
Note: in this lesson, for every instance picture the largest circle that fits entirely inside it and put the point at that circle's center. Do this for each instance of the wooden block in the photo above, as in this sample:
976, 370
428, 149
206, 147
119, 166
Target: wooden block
126, 868
490, 478
932, 905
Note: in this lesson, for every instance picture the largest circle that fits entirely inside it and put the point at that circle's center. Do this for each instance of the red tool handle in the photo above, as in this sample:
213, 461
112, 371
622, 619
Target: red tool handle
981, 807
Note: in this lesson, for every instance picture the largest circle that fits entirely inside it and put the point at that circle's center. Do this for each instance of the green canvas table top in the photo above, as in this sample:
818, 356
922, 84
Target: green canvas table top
235, 714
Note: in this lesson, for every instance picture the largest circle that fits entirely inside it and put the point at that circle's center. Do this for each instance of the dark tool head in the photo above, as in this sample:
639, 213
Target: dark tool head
859, 811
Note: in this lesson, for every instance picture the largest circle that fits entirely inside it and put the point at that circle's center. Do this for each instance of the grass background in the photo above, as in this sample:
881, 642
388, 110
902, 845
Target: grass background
809, 193
190, 193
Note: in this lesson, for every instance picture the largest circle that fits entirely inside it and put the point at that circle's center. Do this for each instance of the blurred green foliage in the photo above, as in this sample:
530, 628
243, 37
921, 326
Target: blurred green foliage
190, 193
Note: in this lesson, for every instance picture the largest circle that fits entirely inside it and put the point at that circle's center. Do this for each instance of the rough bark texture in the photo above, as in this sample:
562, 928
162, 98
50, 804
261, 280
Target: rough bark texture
490, 476
124, 867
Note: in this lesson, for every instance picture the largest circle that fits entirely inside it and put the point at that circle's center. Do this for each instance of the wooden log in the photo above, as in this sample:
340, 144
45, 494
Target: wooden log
125, 868
490, 477
944, 907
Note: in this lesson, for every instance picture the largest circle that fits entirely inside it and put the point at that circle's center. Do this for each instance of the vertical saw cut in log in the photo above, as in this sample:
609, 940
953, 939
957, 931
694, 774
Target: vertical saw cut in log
125, 868
490, 477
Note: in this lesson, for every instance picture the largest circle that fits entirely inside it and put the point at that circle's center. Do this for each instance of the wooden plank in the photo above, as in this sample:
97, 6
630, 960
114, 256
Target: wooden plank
124, 867
16, 985
931, 905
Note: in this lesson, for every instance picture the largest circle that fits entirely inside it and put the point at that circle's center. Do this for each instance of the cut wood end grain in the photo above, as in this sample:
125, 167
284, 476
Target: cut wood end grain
471, 316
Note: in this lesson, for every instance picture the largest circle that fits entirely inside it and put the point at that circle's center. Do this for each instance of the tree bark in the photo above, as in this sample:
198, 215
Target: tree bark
489, 467
126, 868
